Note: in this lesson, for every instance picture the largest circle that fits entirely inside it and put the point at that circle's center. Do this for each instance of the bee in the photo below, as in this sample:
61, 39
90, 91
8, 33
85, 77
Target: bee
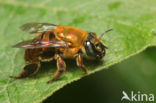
56, 42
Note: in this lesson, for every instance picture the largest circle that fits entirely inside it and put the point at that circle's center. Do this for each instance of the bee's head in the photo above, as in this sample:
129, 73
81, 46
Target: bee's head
94, 47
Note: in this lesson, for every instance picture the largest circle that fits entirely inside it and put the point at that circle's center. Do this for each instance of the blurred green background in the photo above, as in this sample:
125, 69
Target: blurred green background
137, 73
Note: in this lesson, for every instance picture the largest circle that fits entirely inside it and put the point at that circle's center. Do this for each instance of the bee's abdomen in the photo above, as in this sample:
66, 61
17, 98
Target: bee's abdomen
42, 54
32, 54
48, 54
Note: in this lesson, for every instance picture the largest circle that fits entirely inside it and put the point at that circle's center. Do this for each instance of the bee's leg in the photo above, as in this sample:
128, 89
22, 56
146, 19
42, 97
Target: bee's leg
28, 70
80, 64
61, 66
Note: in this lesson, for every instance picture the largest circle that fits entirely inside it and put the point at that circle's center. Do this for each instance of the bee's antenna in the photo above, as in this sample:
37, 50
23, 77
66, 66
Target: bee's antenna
105, 32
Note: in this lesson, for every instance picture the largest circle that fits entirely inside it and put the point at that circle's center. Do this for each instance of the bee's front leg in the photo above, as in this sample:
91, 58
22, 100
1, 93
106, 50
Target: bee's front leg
61, 66
80, 64
28, 70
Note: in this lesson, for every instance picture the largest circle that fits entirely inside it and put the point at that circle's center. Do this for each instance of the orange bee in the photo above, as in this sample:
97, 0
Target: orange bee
55, 42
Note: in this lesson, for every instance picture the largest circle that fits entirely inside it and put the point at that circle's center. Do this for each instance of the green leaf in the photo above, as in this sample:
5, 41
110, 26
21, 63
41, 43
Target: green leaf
137, 73
133, 22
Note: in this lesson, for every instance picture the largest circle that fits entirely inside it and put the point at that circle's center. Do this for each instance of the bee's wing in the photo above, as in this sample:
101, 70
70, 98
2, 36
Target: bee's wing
37, 27
32, 45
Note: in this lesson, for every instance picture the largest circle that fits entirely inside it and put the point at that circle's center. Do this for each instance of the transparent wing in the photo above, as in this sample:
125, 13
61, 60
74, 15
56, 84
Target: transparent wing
37, 27
38, 44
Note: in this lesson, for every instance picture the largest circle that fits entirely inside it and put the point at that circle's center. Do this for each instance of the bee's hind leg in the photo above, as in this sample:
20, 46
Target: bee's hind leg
79, 62
61, 66
28, 70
